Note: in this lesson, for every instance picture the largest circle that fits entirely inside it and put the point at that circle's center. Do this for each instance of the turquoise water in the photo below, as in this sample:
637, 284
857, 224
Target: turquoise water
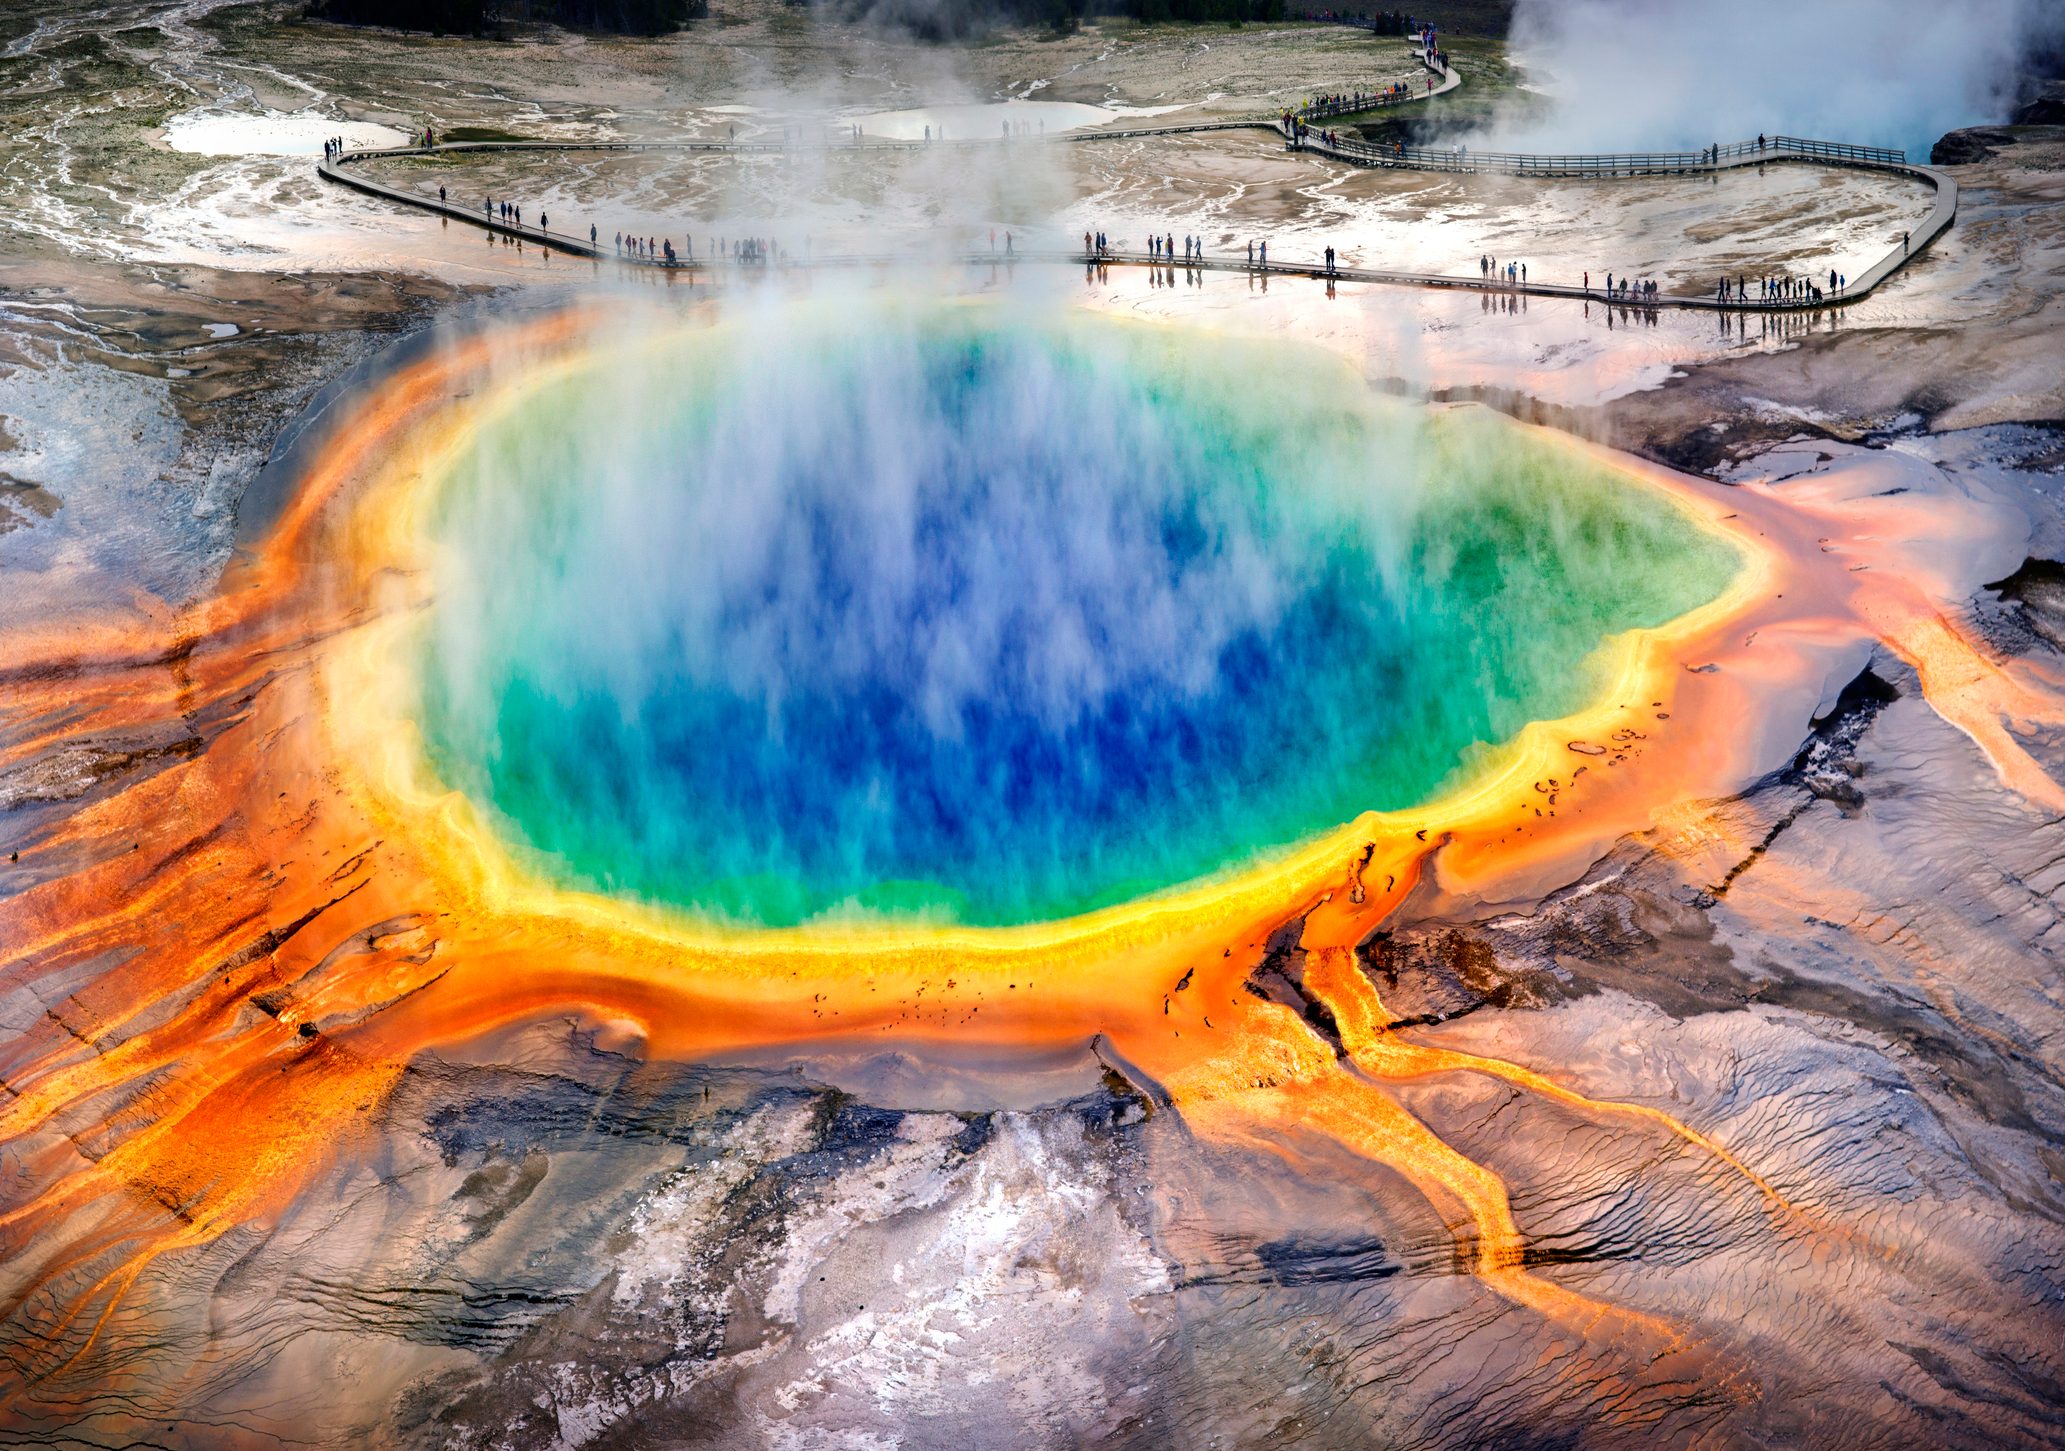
958, 615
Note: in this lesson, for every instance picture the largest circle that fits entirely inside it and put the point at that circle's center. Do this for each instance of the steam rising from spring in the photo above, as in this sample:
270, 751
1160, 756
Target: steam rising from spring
1643, 74
965, 612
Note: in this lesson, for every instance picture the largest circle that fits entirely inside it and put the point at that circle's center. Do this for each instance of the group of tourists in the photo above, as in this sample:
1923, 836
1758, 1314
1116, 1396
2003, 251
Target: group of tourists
511, 213
1343, 103
1799, 289
1163, 249
1435, 57
1773, 289
1380, 152
1511, 274
1777, 289
741, 251
1294, 126
1628, 289
650, 249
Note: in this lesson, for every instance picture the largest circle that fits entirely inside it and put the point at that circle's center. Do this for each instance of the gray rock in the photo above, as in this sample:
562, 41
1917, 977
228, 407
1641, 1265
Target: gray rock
1973, 143
2046, 108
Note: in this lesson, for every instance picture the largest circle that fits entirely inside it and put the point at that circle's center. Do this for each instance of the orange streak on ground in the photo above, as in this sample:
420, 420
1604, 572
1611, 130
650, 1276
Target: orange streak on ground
1890, 546
1333, 976
1982, 699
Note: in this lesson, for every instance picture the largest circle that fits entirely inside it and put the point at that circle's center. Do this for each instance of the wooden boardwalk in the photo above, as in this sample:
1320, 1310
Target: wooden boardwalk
1306, 137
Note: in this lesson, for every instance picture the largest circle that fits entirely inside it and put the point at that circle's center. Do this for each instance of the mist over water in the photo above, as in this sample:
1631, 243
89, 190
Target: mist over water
954, 612
1633, 75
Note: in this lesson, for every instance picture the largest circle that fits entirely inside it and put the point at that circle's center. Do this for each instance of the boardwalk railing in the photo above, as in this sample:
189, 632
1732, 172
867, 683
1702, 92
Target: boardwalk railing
1726, 156
1357, 105
1839, 151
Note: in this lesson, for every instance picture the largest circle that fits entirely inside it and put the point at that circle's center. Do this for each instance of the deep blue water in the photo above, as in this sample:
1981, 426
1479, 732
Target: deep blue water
1002, 623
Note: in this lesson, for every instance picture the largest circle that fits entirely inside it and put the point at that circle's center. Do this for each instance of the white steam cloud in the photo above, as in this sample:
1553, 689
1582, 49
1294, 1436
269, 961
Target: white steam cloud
1629, 75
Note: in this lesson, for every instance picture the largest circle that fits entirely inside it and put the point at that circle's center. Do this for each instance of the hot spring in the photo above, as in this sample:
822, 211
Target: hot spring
961, 615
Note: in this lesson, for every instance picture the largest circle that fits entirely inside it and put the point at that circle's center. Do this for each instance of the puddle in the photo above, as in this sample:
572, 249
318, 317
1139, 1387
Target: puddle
979, 122
270, 133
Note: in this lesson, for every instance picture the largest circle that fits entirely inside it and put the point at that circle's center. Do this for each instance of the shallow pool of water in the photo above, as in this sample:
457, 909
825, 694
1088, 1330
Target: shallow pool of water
270, 133
996, 119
